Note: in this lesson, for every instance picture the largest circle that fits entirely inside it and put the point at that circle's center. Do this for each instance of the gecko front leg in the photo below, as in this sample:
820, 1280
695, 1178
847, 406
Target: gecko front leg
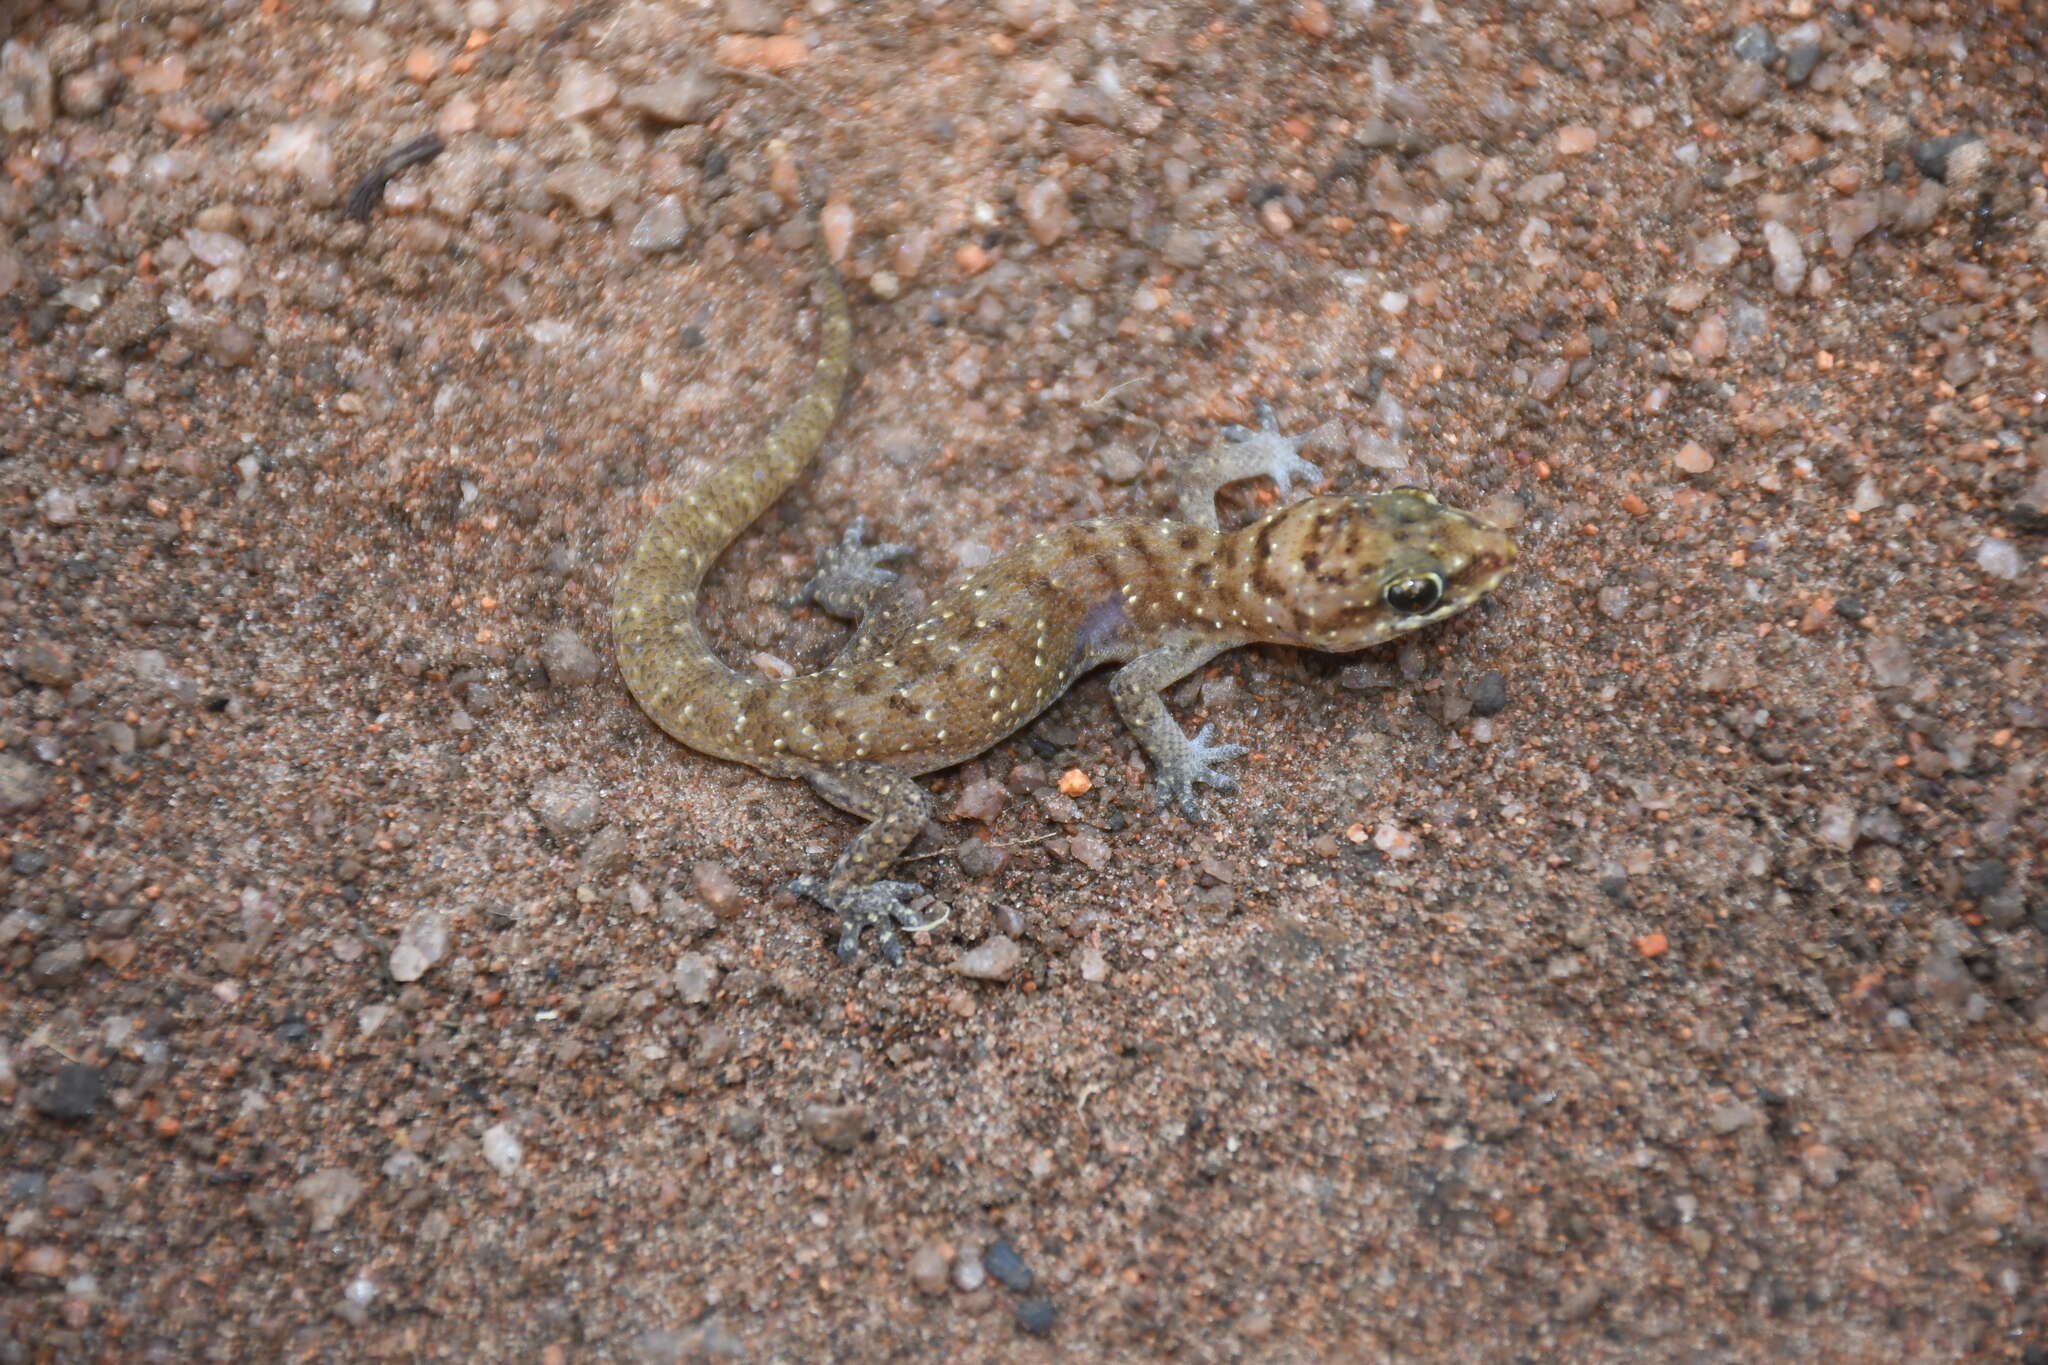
1243, 454
896, 808
1179, 762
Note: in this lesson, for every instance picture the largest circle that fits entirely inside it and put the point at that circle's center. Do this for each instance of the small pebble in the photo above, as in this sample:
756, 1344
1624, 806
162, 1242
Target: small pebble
586, 186
584, 89
1891, 662
968, 1272
1003, 1262
1986, 878
45, 664
1746, 87
1717, 251
1731, 1118
1942, 158
421, 944
57, 967
1753, 43
1037, 1316
1089, 850
1693, 458
979, 858
696, 977
568, 660
717, 889
1849, 222
1488, 693
1576, 140
1710, 337
980, 800
502, 1150
72, 1094
2000, 558
674, 100
752, 16
928, 1269
835, 1127
663, 227
565, 806
328, 1195
1837, 826
1788, 260
996, 958
1047, 214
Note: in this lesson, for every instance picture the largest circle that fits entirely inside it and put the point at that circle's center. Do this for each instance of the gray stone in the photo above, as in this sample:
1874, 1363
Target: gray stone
565, 806
681, 98
72, 1094
58, 966
569, 661
696, 977
328, 1195
28, 99
835, 1127
663, 227
1753, 43
22, 785
996, 958
421, 944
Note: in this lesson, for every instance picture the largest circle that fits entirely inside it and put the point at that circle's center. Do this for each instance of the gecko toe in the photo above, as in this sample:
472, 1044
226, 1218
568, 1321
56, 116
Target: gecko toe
881, 906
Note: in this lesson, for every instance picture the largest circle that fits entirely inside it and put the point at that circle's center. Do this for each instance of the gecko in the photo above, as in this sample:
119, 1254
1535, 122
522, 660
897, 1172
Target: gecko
916, 689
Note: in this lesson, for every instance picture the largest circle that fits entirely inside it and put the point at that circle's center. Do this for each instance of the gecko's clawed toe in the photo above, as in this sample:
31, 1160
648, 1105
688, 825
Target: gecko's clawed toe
852, 570
1197, 767
883, 906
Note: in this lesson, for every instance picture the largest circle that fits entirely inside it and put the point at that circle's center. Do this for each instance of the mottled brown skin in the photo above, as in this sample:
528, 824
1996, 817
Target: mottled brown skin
916, 691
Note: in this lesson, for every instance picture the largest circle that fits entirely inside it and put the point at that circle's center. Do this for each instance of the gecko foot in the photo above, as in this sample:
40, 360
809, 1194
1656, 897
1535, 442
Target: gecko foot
1178, 777
1277, 455
850, 574
882, 906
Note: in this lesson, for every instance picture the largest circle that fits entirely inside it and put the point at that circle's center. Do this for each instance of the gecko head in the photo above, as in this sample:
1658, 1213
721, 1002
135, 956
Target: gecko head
1346, 572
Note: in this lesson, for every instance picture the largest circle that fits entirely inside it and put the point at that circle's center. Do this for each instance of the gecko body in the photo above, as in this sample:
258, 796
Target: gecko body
914, 690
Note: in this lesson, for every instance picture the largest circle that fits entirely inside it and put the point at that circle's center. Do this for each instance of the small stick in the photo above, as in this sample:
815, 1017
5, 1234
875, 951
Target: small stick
369, 191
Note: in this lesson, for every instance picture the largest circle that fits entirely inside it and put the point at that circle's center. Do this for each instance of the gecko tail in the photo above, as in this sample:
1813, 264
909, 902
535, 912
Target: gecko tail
668, 664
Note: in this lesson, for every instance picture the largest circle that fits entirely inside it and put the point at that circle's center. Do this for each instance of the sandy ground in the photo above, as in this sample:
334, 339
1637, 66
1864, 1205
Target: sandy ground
1649, 965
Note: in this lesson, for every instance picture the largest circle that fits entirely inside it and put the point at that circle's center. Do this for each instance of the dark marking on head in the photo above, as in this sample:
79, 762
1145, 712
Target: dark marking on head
1188, 539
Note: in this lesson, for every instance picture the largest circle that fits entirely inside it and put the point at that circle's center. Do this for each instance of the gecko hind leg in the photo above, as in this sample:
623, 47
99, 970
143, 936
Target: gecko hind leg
852, 585
850, 578
1243, 454
895, 807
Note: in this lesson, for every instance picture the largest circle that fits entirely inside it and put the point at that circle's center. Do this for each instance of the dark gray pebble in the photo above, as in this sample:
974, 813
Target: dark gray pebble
1037, 1316
1932, 156
1986, 878
1800, 62
71, 1095
1003, 1262
1753, 43
1488, 693
1851, 608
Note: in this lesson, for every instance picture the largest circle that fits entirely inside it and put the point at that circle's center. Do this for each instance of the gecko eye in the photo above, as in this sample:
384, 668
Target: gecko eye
1414, 596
